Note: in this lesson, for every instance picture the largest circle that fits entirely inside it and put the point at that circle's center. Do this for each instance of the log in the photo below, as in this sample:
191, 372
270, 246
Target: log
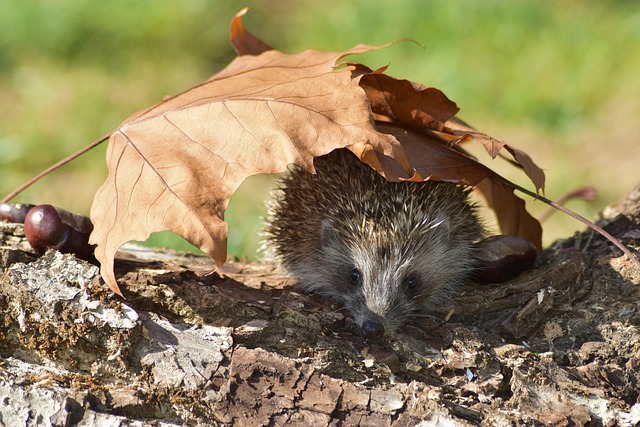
194, 345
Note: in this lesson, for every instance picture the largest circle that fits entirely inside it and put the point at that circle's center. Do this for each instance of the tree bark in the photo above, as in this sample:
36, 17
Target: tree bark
190, 345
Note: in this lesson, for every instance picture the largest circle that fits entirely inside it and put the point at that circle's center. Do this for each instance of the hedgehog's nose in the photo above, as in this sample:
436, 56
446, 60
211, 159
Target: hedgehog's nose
372, 329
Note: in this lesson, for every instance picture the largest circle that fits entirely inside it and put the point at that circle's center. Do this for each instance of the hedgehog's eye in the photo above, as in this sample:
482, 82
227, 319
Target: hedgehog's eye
411, 281
356, 277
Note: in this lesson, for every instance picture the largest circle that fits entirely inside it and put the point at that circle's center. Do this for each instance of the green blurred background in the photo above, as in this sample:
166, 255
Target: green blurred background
558, 79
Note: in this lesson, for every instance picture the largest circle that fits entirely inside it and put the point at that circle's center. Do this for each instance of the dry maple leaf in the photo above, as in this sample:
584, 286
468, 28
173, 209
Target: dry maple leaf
427, 129
175, 165
422, 107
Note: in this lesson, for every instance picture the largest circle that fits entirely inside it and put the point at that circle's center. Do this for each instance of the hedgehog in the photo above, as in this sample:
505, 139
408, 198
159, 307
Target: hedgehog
388, 252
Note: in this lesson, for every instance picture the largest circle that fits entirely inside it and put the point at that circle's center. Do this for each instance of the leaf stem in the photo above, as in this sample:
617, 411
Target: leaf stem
53, 167
585, 193
582, 219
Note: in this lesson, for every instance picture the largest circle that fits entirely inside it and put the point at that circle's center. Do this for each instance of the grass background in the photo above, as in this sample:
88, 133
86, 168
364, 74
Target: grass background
559, 80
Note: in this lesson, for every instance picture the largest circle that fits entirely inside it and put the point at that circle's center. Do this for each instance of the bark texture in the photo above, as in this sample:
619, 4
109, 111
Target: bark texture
559, 345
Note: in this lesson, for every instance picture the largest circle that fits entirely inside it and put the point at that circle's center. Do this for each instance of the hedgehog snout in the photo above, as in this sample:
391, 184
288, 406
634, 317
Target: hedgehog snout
372, 329
371, 324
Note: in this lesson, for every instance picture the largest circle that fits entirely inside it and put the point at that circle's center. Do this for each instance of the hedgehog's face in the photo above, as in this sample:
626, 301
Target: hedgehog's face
385, 282
382, 298
388, 289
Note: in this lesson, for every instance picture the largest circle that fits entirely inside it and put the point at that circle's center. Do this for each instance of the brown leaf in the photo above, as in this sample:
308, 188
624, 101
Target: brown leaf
423, 107
530, 168
175, 166
243, 42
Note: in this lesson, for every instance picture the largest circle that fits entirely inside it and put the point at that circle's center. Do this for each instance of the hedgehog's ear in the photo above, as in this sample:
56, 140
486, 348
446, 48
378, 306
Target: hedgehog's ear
328, 235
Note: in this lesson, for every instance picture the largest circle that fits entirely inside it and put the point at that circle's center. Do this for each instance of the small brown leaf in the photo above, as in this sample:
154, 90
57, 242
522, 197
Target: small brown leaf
243, 42
530, 168
463, 133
